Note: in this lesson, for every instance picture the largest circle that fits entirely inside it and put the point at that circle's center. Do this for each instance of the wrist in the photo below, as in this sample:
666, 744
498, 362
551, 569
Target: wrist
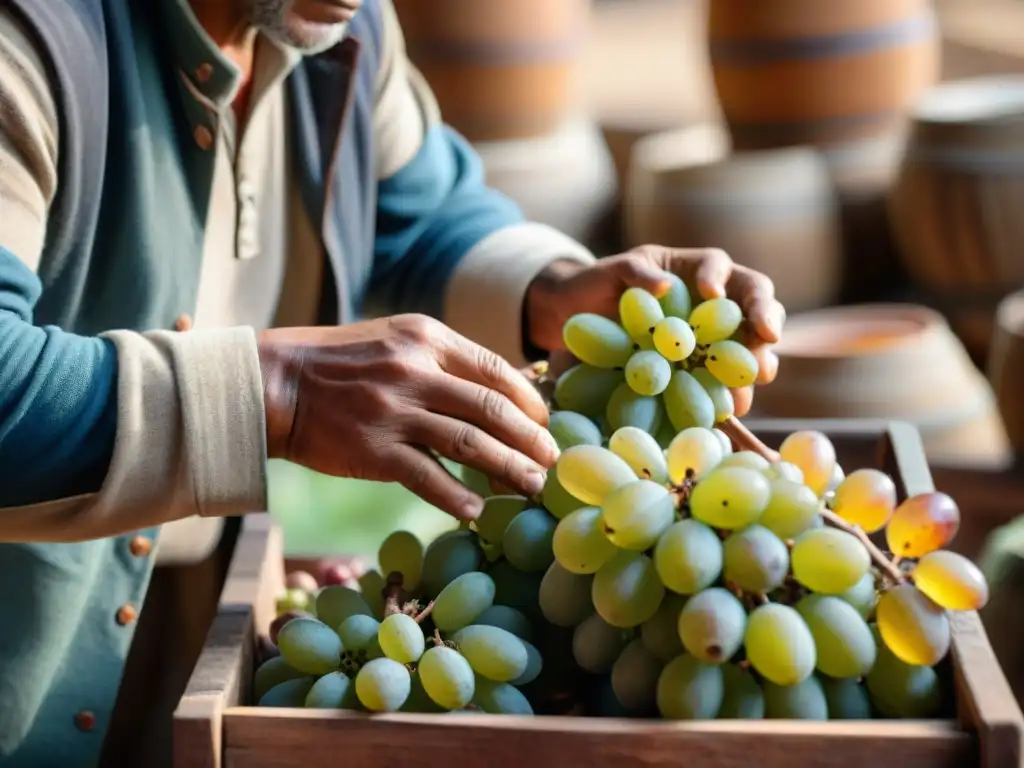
280, 395
539, 331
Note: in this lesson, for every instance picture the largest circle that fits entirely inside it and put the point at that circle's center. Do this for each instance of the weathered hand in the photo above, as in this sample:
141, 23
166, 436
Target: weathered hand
566, 288
366, 400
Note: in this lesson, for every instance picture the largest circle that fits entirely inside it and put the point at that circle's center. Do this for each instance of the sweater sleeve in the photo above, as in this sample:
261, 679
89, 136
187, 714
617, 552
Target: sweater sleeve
447, 245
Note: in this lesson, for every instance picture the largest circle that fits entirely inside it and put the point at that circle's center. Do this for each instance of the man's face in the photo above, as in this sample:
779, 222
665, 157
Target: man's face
311, 26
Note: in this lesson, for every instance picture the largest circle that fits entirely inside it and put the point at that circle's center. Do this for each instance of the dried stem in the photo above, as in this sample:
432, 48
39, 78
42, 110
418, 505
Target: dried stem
394, 595
745, 440
425, 612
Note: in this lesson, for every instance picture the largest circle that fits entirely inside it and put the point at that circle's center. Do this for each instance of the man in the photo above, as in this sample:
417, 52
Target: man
253, 169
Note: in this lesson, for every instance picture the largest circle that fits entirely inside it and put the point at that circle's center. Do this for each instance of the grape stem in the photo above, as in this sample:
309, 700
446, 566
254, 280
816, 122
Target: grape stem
394, 595
425, 612
745, 440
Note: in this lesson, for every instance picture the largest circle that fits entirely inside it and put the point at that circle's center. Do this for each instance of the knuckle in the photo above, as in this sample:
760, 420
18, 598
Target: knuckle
413, 327
418, 474
490, 365
717, 254
465, 442
493, 406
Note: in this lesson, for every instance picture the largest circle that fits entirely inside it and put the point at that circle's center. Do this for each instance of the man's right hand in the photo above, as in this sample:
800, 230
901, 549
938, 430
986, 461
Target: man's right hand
366, 400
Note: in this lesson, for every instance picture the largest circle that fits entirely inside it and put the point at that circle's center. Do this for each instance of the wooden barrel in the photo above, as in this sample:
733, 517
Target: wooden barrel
500, 71
888, 361
1006, 367
772, 210
806, 71
958, 205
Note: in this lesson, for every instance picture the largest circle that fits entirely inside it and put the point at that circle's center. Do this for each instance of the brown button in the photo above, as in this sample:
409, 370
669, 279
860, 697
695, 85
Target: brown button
203, 137
126, 614
183, 323
204, 72
85, 720
140, 546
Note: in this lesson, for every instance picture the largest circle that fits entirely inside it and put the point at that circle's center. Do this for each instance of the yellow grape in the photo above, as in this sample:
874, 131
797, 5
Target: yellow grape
747, 460
793, 509
732, 364
904, 690
692, 453
715, 320
866, 498
590, 472
626, 590
676, 301
845, 645
730, 497
721, 395
838, 475
783, 470
628, 409
597, 341
579, 544
687, 403
922, 524
829, 561
558, 501
639, 312
673, 338
689, 689
814, 454
648, 373
636, 515
913, 627
641, 451
952, 581
586, 389
779, 644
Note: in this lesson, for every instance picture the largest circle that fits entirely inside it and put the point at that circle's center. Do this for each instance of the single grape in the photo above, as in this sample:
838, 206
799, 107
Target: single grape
783, 470
779, 644
802, 701
828, 560
508, 619
295, 600
301, 580
747, 460
279, 622
688, 557
447, 677
676, 301
635, 678
721, 395
596, 644
528, 540
730, 497
383, 685
847, 699
419, 701
914, 628
492, 652
402, 552
497, 513
558, 501
903, 690
862, 596
755, 559
648, 373
665, 434
585, 389
626, 590
597, 341
725, 441
401, 638
500, 698
838, 475
271, 673
288, 694
565, 596
462, 601
715, 320
692, 453
687, 403
590, 473
689, 689
628, 409
534, 666
842, 638
639, 312
310, 646
357, 632
335, 604
814, 454
951, 581
660, 633
743, 699
515, 589
712, 625
571, 429
371, 587
866, 498
579, 543
636, 515
673, 339
448, 558
332, 691
792, 509
922, 524
641, 452
732, 364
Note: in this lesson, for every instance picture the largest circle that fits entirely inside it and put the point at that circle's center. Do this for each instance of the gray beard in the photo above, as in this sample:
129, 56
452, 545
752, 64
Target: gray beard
274, 19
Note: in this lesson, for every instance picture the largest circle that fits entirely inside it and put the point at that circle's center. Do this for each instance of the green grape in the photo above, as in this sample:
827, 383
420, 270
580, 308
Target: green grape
828, 560
383, 685
725, 441
673, 339
730, 497
732, 364
801, 701
862, 596
462, 601
755, 559
509, 619
814, 454
374, 651
779, 644
271, 673
913, 627
660, 633
842, 638
310, 646
847, 699
636, 515
579, 544
628, 409
333, 691
590, 473
687, 403
596, 644
492, 652
688, 557
402, 552
692, 453
783, 470
476, 481
289, 694
635, 678
743, 698
904, 690
565, 596
639, 311
626, 590
401, 638
335, 604
715, 320
585, 389
295, 600
665, 434
641, 452
448, 558
747, 460
515, 589
571, 429
371, 587
528, 540
497, 513
597, 341
357, 632
558, 501
500, 698
689, 689
419, 700
534, 665
721, 395
712, 625
792, 509
676, 301
447, 677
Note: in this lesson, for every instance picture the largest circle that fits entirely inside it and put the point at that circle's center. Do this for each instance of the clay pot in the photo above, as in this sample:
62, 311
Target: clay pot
1006, 367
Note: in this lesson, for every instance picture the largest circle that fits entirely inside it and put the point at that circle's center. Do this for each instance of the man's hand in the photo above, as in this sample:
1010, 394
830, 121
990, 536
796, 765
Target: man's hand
368, 400
568, 288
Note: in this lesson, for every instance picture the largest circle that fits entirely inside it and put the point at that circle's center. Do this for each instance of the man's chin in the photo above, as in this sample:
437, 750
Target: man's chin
305, 36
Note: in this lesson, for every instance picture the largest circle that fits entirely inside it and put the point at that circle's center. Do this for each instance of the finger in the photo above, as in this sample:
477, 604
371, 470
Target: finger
425, 477
742, 400
755, 293
638, 272
764, 353
465, 444
492, 412
714, 268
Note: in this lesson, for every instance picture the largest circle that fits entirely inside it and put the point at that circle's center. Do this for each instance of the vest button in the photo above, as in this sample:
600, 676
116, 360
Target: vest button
85, 720
126, 614
183, 323
203, 137
140, 546
204, 72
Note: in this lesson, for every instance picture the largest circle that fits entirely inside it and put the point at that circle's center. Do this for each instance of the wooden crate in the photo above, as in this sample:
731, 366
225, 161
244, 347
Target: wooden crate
214, 726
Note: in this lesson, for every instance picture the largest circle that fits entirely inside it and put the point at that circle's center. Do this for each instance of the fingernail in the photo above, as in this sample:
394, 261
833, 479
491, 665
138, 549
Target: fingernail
471, 509
534, 483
